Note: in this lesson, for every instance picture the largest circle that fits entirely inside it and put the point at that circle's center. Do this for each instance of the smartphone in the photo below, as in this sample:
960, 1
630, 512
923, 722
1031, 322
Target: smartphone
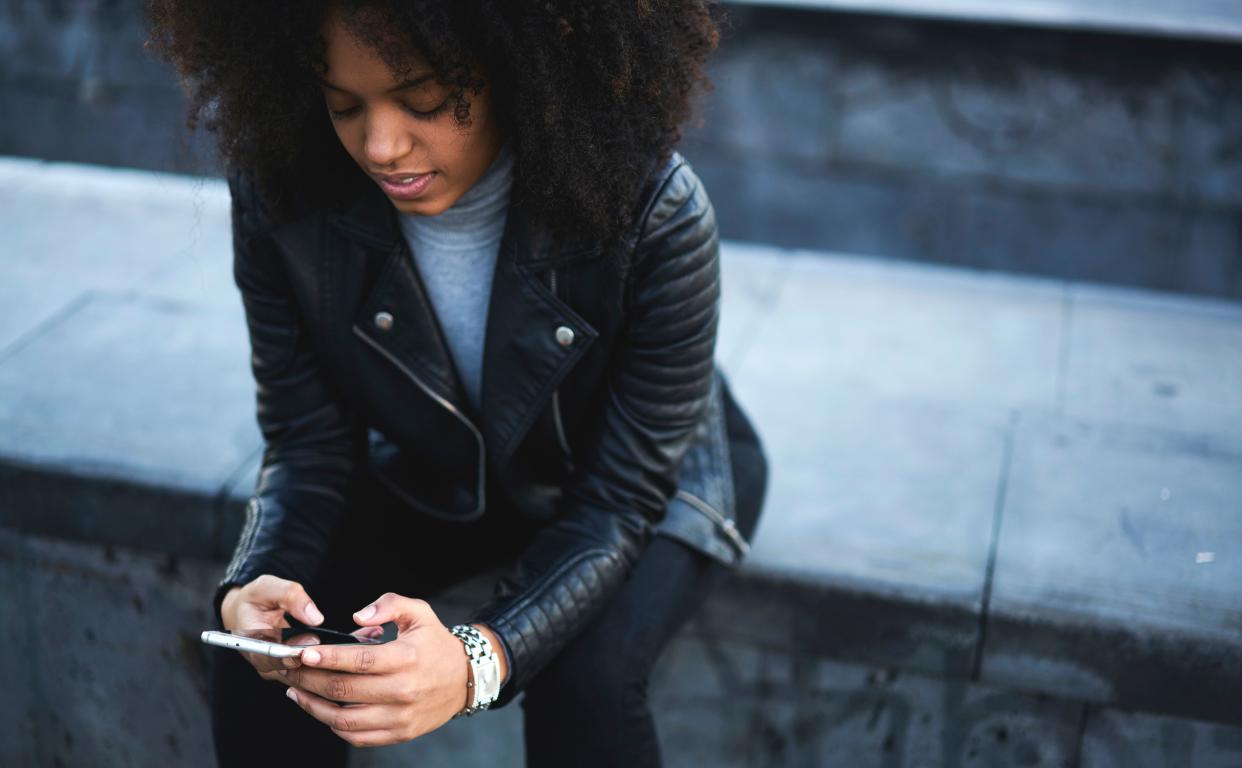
285, 642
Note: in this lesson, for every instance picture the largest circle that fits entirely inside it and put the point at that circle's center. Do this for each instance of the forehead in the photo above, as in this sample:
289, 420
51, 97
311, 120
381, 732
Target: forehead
363, 52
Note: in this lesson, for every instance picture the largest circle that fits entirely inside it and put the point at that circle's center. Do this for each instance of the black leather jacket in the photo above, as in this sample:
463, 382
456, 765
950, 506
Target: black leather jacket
602, 406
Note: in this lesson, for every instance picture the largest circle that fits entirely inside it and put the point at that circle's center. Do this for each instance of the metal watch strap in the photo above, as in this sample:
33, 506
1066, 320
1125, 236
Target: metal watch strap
484, 681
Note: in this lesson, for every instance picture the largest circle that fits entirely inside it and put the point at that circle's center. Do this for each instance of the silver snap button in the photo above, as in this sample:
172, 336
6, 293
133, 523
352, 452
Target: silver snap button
564, 336
383, 321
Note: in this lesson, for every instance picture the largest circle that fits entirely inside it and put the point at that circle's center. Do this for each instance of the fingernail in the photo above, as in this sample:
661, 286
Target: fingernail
292, 694
313, 613
366, 613
283, 672
310, 657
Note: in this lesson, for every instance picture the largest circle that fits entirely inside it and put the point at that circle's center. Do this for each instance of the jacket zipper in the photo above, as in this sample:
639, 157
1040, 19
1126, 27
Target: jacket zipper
556, 400
478, 436
720, 520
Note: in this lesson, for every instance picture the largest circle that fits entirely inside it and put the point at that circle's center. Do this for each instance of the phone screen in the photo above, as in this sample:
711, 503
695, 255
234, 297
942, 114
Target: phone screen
299, 636
308, 636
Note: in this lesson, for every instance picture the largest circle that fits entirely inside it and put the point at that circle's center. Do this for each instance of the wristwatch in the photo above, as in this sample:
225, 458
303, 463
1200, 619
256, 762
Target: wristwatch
484, 680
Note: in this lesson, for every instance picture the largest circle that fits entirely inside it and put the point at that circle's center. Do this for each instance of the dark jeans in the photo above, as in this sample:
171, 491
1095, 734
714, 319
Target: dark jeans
587, 707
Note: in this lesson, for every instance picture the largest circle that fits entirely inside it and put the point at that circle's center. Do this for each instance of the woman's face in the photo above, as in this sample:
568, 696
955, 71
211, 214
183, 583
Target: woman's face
402, 134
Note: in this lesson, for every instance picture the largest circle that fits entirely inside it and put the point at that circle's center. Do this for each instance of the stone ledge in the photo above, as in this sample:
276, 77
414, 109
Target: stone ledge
78, 505
1195, 20
1084, 658
982, 444
717, 703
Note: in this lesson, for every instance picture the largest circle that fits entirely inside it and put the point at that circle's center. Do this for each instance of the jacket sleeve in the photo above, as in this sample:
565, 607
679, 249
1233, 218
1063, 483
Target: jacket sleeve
312, 444
659, 380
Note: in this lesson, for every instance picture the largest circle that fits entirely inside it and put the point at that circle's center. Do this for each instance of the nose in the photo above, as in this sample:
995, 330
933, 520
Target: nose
386, 141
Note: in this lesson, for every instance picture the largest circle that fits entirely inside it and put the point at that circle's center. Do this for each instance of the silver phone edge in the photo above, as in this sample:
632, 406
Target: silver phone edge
248, 644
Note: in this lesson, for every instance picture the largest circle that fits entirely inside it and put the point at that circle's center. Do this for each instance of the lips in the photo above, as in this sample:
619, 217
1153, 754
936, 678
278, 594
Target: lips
398, 178
405, 186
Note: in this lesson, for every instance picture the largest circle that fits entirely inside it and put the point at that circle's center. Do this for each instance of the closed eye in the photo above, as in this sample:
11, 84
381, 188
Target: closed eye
344, 114
429, 113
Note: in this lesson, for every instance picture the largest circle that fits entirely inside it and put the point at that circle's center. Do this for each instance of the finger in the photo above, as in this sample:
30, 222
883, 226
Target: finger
289, 595
279, 673
368, 632
274, 673
358, 660
263, 663
346, 687
357, 717
380, 659
368, 738
408, 612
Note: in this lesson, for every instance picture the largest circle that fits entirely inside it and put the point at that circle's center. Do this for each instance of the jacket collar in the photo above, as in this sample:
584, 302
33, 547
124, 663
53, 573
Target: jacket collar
372, 221
522, 361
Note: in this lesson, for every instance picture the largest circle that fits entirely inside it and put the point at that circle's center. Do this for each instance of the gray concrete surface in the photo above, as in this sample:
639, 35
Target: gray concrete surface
1127, 360
1087, 157
1136, 534
1206, 19
1023, 136
1012, 508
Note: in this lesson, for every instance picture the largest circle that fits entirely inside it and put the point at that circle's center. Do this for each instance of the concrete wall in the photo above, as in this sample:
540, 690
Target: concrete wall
103, 667
1092, 157
1087, 156
76, 84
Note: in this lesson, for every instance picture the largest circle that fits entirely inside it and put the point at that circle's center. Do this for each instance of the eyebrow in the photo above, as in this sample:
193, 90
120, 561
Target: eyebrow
408, 83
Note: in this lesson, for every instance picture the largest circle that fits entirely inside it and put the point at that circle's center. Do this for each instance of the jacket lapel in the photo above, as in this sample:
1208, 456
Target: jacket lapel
522, 360
410, 334
414, 336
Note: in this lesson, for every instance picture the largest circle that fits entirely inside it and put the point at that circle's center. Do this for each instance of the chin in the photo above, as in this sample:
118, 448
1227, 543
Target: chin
419, 207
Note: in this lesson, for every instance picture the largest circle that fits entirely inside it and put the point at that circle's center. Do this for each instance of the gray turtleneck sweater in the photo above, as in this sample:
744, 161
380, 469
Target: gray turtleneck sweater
455, 253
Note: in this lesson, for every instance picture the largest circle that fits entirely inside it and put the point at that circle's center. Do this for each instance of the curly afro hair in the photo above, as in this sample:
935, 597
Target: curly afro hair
591, 94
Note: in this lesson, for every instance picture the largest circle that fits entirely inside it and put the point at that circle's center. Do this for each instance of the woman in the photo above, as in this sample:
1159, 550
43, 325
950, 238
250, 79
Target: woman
482, 292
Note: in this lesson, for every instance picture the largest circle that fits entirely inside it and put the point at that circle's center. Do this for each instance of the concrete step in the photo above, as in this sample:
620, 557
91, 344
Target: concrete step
1219, 20
1022, 486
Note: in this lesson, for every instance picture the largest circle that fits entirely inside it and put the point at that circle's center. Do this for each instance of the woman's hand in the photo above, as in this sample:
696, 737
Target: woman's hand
396, 691
262, 604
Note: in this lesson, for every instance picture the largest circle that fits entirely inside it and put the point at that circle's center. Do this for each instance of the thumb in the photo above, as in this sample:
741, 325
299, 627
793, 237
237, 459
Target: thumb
407, 612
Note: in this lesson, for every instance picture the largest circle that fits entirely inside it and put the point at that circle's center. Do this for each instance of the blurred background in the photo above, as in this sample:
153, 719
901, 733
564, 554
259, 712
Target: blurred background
983, 299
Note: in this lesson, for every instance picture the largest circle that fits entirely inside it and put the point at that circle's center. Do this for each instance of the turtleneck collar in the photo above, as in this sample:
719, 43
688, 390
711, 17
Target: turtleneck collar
478, 216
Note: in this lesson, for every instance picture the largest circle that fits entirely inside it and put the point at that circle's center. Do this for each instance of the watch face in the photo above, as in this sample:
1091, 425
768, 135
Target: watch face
484, 666
486, 679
